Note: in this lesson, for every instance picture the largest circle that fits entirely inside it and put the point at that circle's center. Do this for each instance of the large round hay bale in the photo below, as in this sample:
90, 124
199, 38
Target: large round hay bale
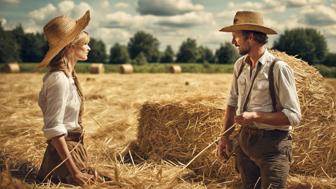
97, 68
175, 69
11, 68
178, 131
126, 69
315, 138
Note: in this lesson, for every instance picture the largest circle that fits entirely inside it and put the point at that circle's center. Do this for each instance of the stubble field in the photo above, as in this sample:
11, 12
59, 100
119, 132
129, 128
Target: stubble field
111, 122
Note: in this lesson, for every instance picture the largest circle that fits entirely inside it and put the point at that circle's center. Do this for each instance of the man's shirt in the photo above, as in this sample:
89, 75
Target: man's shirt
260, 98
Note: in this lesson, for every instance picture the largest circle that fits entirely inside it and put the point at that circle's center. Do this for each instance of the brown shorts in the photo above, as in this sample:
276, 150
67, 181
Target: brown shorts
263, 158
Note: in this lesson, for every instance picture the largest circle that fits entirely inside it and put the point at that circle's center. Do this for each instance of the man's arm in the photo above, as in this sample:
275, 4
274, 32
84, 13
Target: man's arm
271, 118
229, 120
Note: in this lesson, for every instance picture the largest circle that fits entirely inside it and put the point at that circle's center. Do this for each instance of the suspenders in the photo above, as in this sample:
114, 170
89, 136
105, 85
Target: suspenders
270, 79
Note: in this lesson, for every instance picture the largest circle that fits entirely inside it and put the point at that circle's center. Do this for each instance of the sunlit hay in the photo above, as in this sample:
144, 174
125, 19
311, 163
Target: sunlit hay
11, 68
9, 182
126, 69
175, 69
302, 182
315, 137
110, 122
179, 131
146, 175
97, 68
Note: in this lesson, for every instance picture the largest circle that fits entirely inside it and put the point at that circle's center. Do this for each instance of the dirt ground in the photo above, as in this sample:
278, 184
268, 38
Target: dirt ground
110, 120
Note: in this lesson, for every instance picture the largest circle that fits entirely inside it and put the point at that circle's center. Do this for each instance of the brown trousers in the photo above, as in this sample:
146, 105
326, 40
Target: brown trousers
264, 157
54, 169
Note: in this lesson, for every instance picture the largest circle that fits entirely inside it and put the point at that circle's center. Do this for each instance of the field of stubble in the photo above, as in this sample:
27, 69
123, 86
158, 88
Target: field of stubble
110, 121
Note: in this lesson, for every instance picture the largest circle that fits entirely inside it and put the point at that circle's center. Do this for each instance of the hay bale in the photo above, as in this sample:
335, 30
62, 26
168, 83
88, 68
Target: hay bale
97, 68
175, 69
314, 139
126, 69
179, 131
11, 68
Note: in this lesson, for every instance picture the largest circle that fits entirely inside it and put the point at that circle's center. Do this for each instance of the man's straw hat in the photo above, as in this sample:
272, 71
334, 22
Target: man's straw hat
60, 32
248, 20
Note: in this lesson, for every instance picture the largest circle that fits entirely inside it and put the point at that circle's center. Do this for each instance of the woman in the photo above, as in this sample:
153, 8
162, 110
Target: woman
61, 102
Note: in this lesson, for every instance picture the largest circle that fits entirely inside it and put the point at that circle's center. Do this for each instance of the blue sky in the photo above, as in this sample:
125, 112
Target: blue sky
172, 21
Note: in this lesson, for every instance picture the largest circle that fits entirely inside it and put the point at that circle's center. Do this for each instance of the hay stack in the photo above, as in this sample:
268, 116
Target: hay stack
11, 68
175, 69
315, 137
178, 131
97, 68
126, 69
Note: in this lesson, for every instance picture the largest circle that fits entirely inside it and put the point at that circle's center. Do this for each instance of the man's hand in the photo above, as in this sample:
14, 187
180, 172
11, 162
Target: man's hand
224, 147
245, 118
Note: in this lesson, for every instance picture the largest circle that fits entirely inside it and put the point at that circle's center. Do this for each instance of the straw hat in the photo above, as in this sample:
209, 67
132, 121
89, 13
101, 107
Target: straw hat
248, 20
61, 31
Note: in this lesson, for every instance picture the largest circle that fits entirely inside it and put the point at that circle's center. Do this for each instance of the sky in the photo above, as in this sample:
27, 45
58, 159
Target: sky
172, 21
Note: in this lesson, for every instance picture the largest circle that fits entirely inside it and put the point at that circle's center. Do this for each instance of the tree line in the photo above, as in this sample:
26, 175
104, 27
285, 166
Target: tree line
307, 43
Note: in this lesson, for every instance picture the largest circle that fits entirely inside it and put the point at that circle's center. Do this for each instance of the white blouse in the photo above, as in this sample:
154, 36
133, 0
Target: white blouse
60, 104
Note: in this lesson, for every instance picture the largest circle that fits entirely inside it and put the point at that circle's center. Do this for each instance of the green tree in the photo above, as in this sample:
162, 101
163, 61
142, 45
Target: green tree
9, 48
97, 52
33, 47
226, 54
140, 59
168, 55
205, 55
119, 54
306, 43
145, 43
188, 52
330, 60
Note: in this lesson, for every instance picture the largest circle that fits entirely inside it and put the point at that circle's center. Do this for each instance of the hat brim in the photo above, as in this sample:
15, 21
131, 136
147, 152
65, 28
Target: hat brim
81, 24
251, 27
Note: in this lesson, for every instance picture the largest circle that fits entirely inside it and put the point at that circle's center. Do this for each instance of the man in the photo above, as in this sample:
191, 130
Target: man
264, 101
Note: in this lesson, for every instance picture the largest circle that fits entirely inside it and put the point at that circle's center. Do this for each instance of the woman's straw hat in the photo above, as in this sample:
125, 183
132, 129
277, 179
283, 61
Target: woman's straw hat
248, 20
61, 31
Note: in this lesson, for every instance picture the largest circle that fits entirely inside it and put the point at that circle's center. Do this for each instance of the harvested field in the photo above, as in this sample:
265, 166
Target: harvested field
113, 102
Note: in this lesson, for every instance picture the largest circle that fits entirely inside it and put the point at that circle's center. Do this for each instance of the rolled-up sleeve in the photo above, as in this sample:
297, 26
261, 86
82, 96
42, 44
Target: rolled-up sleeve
233, 94
288, 97
56, 96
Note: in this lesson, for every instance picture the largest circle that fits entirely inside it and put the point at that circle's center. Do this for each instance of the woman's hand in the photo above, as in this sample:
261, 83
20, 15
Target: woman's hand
83, 178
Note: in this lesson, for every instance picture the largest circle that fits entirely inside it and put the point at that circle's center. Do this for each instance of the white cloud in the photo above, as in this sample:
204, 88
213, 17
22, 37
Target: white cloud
104, 3
124, 20
110, 36
39, 17
167, 7
121, 5
320, 15
42, 13
3, 22
187, 20
11, 1
330, 31
65, 7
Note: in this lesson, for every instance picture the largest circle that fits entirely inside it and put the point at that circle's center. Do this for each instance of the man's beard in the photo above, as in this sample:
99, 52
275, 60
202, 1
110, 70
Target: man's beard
244, 51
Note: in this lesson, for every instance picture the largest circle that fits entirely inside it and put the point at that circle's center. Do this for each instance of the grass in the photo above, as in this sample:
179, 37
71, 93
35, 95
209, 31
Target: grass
329, 72
148, 68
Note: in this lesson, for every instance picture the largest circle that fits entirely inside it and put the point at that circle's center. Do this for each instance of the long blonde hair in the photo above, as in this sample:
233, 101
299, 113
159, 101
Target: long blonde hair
61, 63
